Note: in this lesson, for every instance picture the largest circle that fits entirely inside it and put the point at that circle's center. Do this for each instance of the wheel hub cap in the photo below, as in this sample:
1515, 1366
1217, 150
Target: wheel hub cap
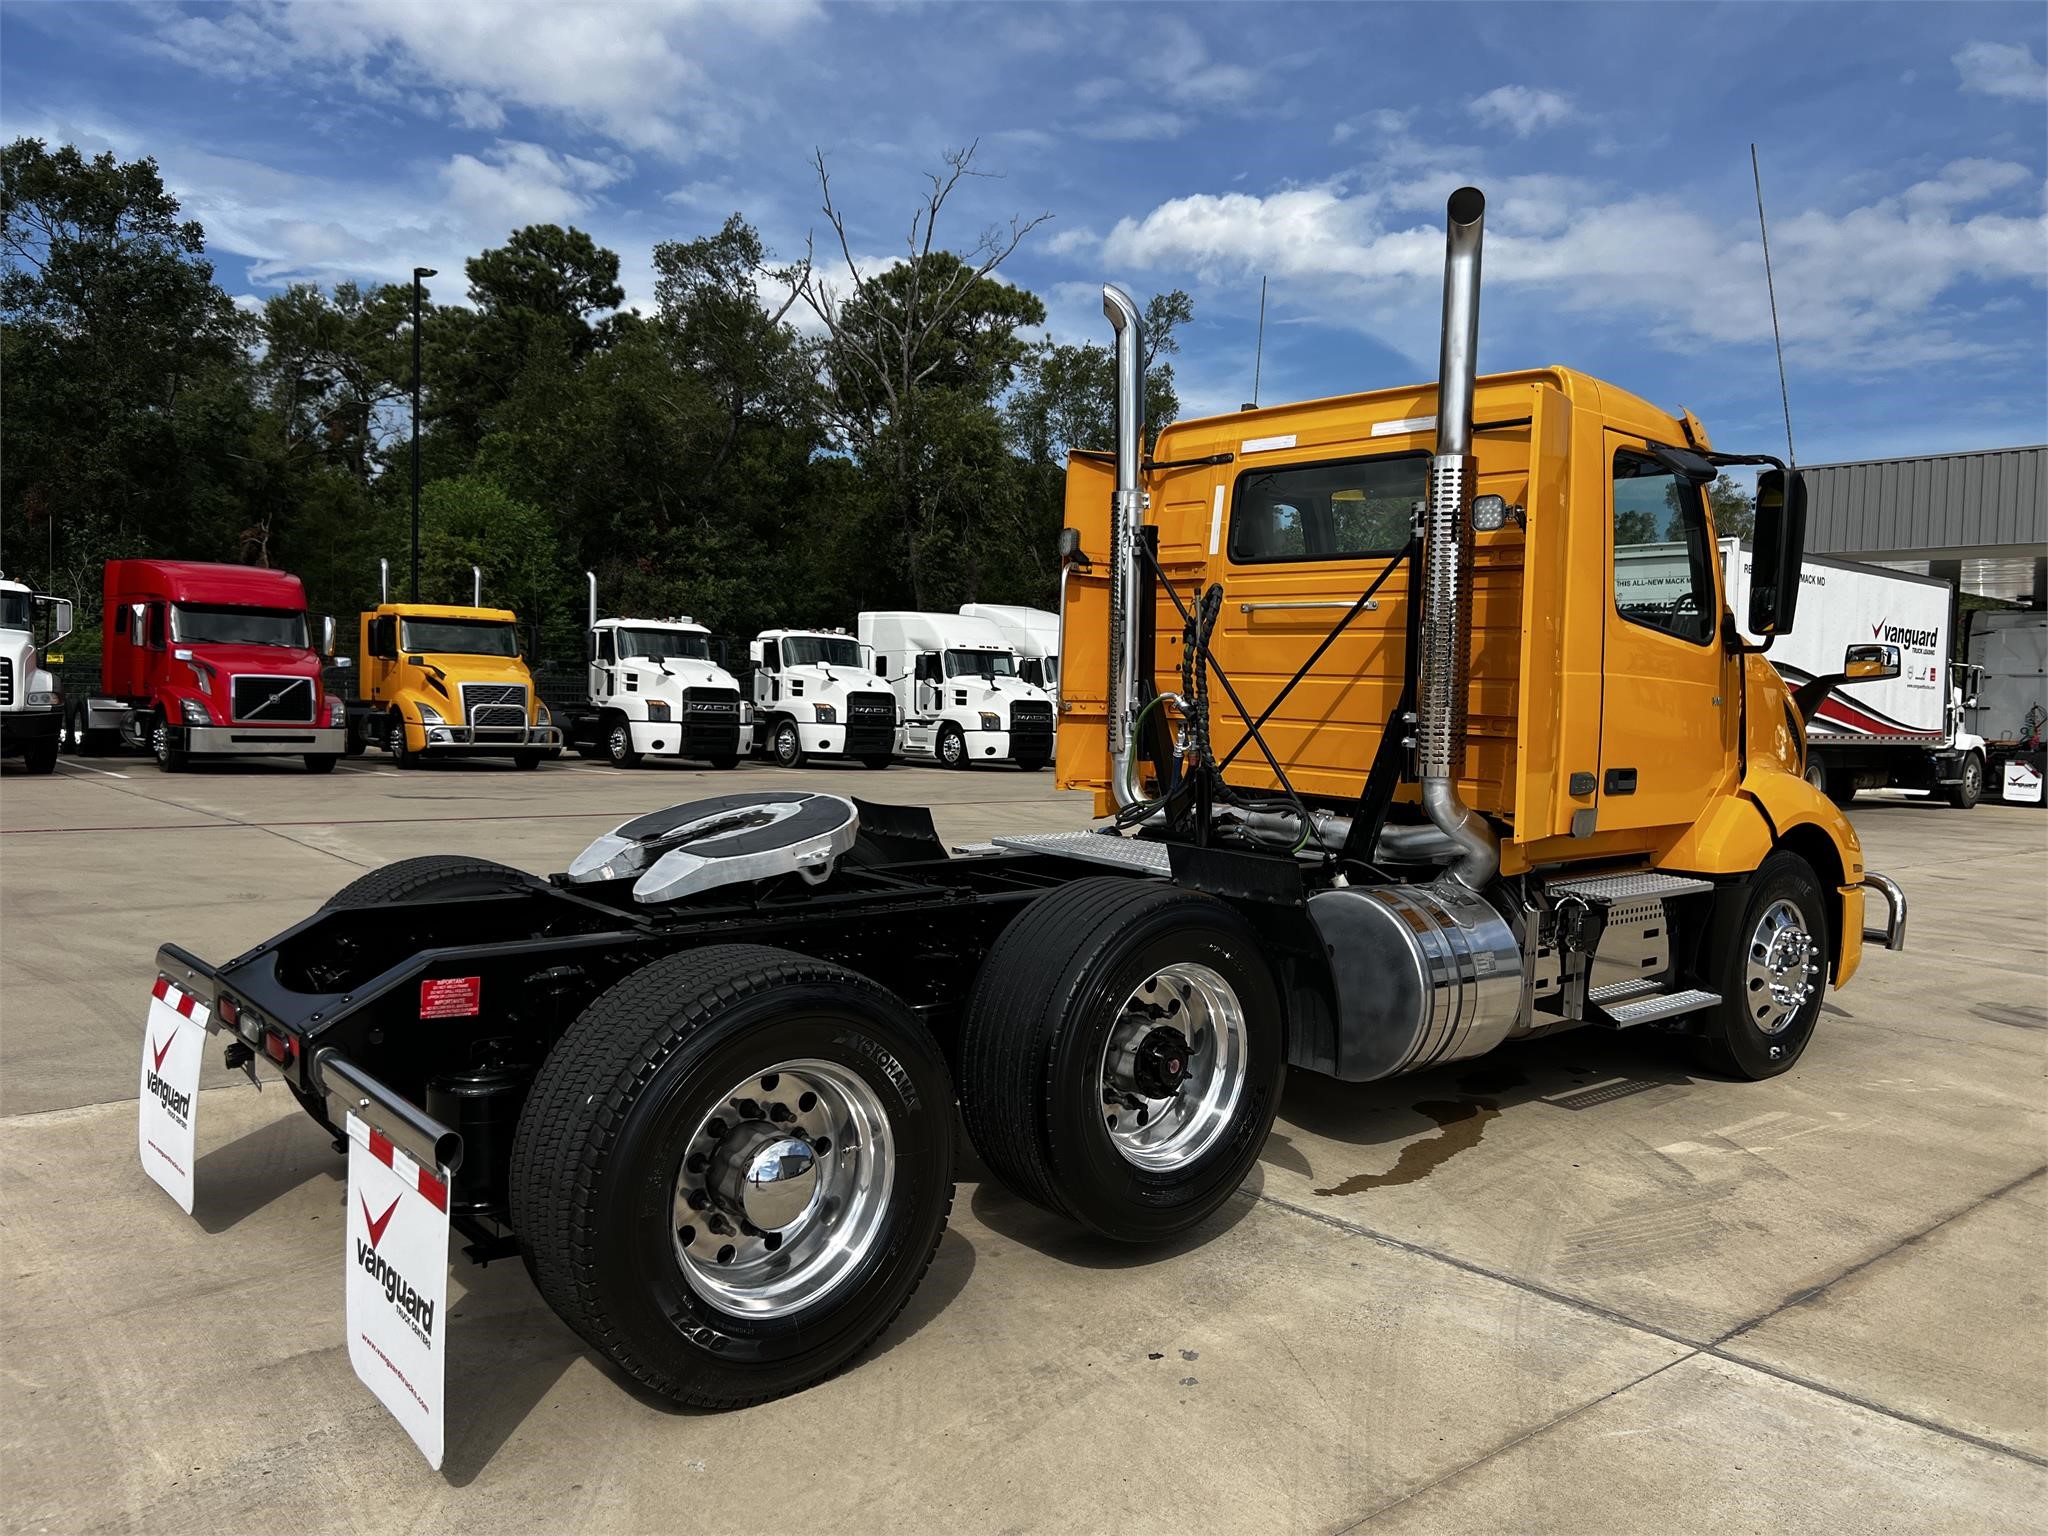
1174, 1067
783, 1189
763, 1175
1783, 967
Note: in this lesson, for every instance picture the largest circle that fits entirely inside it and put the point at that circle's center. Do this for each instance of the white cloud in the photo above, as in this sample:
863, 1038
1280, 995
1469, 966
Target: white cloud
2002, 69
1870, 289
1522, 109
523, 183
1138, 126
641, 74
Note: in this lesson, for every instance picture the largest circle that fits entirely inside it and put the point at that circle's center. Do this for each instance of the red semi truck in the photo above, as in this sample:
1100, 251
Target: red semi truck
209, 660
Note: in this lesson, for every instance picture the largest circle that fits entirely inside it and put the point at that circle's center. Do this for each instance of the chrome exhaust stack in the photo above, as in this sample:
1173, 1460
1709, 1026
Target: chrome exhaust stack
383, 581
1447, 556
1126, 520
591, 577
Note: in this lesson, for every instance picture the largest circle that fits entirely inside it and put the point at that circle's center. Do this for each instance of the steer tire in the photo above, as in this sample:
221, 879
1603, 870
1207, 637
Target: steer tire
431, 874
603, 1152
166, 743
1732, 1042
951, 748
321, 762
40, 756
1969, 786
395, 742
618, 742
1032, 1053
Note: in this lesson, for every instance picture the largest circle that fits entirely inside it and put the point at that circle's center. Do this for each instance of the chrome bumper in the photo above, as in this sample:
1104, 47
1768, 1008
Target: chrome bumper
490, 737
275, 740
1893, 934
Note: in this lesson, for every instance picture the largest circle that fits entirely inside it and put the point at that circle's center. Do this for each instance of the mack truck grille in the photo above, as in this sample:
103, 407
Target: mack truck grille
284, 700
6, 679
494, 706
1030, 727
713, 704
870, 724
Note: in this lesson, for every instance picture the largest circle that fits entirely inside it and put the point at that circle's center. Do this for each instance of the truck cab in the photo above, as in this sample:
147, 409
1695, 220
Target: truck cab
656, 689
31, 696
210, 660
1034, 634
446, 681
961, 690
817, 693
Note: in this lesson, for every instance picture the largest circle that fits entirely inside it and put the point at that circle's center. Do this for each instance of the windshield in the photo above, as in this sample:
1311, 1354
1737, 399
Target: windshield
237, 626
458, 637
14, 610
663, 645
980, 664
815, 650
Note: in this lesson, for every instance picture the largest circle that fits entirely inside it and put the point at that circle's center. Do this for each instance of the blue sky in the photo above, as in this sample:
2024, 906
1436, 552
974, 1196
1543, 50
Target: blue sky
1904, 150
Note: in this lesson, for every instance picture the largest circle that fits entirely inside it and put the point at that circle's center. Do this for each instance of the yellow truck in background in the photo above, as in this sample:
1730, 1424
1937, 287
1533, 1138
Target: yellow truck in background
448, 681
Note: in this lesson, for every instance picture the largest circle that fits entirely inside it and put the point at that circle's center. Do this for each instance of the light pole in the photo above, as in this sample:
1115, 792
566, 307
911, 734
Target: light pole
417, 274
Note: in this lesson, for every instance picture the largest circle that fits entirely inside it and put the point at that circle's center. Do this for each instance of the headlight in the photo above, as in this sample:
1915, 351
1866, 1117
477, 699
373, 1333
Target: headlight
337, 712
657, 709
991, 722
195, 713
430, 715
43, 697
827, 714
541, 715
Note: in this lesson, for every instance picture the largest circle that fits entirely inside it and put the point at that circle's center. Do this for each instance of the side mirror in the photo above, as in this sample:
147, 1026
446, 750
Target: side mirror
589, 645
1692, 467
343, 662
882, 666
60, 618
754, 652
327, 635
926, 668
1778, 544
1870, 663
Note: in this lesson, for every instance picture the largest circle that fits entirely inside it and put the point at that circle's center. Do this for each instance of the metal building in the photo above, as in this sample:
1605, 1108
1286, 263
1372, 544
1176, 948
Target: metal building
1979, 520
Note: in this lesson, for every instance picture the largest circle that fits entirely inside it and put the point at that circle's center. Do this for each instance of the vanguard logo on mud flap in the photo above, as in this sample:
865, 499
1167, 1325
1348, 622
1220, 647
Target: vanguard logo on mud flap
177, 1104
416, 1309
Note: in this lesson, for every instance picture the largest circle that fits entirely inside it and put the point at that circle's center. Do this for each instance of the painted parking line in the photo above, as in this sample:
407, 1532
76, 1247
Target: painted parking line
88, 767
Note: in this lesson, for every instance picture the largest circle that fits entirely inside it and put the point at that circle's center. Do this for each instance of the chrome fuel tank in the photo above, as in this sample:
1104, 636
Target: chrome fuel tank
1423, 974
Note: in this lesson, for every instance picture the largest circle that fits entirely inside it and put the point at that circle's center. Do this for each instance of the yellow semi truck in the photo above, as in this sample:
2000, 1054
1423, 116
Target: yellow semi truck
1400, 756
447, 681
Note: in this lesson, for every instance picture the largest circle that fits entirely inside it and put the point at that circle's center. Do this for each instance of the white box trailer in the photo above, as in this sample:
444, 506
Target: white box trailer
1905, 732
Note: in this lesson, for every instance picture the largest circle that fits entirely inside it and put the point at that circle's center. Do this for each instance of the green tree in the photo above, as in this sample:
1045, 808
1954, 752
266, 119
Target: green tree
127, 381
472, 521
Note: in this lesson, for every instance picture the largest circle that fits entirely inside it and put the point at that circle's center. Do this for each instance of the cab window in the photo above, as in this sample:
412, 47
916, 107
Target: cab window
1349, 510
1663, 561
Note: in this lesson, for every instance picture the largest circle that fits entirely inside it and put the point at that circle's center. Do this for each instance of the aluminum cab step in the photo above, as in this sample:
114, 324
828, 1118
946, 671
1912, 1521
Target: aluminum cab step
1657, 1005
1624, 991
1636, 885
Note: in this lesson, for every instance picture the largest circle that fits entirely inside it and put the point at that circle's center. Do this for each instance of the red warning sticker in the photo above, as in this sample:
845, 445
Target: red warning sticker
452, 997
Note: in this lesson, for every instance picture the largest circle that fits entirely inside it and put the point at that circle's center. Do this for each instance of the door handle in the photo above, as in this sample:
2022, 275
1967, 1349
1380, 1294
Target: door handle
1371, 606
1621, 781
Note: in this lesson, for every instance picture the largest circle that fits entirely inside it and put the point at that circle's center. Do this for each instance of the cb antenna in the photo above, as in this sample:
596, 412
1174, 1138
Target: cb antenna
1777, 337
1259, 355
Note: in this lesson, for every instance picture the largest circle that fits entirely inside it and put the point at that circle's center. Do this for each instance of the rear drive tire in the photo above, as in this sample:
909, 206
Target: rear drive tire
952, 747
1105, 992
1770, 968
429, 874
322, 762
627, 1190
1970, 790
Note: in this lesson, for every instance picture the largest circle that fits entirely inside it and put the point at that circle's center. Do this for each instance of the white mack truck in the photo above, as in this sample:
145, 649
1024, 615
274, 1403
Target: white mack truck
656, 690
31, 699
962, 696
1034, 634
816, 694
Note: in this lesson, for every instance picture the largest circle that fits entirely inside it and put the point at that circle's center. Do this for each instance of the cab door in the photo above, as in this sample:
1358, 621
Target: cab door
1664, 745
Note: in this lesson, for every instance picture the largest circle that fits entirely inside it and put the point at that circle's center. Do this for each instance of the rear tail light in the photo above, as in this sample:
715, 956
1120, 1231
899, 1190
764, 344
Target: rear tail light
280, 1048
229, 1012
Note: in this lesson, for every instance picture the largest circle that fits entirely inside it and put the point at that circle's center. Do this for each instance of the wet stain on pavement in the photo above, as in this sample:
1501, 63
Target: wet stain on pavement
1460, 1124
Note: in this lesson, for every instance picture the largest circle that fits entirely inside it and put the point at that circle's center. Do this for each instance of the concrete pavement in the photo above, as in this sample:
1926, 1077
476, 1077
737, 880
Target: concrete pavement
1567, 1287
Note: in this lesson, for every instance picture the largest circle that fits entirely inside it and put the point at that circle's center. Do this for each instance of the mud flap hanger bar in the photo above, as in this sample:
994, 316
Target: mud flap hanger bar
346, 1087
351, 1091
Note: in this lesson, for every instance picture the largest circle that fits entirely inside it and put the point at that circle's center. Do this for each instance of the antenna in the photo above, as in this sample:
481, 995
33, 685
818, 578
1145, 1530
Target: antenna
1259, 356
1777, 338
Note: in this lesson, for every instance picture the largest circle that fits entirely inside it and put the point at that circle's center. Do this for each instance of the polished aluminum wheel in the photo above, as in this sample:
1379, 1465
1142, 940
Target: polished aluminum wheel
1782, 967
783, 1189
1174, 1067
